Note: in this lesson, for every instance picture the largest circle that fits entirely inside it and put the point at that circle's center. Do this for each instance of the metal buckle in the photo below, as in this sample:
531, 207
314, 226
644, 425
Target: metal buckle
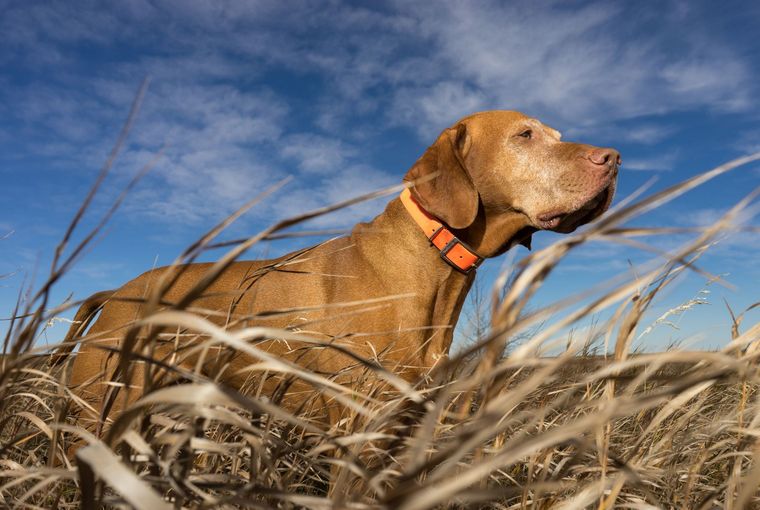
454, 241
450, 262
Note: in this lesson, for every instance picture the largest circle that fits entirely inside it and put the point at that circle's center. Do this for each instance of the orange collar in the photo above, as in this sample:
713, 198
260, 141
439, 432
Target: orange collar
455, 252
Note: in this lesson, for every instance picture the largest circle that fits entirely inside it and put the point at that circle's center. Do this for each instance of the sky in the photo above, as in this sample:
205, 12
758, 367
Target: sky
343, 97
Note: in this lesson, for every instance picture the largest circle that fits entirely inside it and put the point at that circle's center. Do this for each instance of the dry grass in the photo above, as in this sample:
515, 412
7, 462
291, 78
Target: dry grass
670, 430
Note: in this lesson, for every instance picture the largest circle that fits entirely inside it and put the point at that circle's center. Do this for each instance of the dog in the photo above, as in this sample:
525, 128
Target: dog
486, 184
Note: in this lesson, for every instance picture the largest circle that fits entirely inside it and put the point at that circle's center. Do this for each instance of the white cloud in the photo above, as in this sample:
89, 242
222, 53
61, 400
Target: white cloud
657, 163
346, 183
414, 65
749, 141
718, 81
634, 131
98, 272
216, 141
569, 66
316, 154
708, 216
431, 109
647, 134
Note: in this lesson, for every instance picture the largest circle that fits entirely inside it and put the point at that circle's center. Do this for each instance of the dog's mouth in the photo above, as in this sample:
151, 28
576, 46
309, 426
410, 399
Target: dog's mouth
566, 222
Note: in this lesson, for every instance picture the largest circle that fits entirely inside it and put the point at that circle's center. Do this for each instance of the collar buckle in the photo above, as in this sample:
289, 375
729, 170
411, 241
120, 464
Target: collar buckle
452, 244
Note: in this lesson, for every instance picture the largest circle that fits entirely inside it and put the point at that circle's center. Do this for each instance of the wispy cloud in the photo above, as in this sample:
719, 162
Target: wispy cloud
749, 141
314, 153
647, 133
342, 184
366, 70
566, 64
657, 163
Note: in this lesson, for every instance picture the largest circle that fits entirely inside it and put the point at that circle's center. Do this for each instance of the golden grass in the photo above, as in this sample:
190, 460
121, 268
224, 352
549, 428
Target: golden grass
675, 429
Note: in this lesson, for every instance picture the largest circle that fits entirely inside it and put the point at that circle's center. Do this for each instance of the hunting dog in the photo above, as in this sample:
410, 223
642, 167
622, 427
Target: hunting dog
485, 185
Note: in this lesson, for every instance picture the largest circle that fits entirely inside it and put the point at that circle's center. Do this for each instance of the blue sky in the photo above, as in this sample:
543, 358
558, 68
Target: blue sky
344, 97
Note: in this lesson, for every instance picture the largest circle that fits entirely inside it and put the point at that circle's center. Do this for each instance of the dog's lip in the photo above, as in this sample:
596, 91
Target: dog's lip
550, 219
567, 221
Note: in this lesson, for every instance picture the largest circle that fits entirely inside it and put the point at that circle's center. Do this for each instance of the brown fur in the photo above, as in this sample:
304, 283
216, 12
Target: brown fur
495, 185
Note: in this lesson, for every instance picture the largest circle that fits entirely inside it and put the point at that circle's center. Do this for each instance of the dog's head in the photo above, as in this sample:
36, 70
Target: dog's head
500, 176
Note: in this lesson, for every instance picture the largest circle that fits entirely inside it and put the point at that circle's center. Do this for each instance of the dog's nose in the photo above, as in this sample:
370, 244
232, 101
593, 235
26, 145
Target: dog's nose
605, 157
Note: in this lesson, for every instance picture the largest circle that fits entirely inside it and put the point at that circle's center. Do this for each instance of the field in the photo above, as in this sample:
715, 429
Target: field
676, 429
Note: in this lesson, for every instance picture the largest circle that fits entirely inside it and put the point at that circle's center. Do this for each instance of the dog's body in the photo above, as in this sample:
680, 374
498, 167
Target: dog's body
500, 177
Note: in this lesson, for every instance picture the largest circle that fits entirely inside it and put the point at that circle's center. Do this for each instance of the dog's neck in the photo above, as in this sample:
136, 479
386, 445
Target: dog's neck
400, 252
494, 232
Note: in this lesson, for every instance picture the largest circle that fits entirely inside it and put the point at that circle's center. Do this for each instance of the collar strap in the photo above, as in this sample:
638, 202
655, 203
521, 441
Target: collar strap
455, 252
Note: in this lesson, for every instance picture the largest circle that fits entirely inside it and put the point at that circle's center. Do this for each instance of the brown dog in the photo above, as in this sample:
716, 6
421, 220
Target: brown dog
500, 176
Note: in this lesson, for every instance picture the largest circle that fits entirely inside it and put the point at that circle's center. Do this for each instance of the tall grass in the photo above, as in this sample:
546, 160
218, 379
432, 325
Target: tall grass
675, 429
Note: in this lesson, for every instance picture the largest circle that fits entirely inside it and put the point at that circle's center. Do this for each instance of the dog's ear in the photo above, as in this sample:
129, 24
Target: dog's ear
450, 195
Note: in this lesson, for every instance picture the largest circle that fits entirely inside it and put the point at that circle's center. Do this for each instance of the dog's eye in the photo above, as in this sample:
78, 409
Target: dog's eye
528, 133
